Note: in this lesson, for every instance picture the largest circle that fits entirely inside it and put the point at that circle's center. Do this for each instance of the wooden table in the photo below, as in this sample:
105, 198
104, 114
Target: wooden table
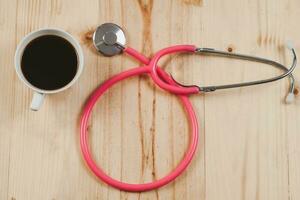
249, 138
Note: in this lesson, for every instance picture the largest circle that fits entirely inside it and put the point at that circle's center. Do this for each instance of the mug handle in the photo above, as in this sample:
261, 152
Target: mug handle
37, 101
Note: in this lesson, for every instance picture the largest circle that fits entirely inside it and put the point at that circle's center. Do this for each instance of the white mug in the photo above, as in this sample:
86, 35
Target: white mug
39, 94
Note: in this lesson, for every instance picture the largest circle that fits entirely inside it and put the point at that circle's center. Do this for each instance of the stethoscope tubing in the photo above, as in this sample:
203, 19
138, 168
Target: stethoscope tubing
161, 76
153, 63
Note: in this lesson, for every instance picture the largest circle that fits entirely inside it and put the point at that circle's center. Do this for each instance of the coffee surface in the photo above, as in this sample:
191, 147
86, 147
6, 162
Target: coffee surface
49, 62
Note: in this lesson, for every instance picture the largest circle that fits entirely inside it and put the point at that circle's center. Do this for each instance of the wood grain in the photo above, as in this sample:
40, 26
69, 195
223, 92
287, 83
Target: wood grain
248, 146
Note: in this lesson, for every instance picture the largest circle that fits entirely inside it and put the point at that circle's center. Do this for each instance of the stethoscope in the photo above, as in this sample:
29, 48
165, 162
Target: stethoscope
109, 39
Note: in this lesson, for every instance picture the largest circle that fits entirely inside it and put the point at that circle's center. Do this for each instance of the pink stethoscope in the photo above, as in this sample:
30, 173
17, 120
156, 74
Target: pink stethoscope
109, 39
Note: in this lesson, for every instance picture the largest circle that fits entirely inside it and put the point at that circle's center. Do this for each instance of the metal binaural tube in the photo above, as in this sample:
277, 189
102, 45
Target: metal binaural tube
288, 71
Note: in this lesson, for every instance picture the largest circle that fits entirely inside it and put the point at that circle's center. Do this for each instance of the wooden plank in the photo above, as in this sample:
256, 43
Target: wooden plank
7, 77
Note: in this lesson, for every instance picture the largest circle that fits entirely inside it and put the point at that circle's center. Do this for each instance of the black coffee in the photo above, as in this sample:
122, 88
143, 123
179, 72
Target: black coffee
49, 62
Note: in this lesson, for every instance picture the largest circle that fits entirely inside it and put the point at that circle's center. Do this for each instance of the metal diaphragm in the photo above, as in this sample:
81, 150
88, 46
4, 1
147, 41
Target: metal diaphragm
109, 39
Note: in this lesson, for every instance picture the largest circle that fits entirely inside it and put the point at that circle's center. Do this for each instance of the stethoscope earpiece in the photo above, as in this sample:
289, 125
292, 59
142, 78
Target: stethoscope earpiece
109, 39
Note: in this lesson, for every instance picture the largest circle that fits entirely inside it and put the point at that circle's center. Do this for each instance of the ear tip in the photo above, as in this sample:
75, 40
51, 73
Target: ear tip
289, 44
289, 98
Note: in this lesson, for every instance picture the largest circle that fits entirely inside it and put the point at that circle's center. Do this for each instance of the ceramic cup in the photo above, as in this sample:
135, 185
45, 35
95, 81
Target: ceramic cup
39, 94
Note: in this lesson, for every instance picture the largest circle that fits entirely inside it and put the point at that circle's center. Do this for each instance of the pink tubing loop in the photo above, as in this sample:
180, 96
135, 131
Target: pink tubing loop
127, 186
157, 79
87, 112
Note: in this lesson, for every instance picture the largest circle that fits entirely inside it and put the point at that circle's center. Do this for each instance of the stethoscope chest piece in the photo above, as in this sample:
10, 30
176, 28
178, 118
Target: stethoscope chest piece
109, 39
